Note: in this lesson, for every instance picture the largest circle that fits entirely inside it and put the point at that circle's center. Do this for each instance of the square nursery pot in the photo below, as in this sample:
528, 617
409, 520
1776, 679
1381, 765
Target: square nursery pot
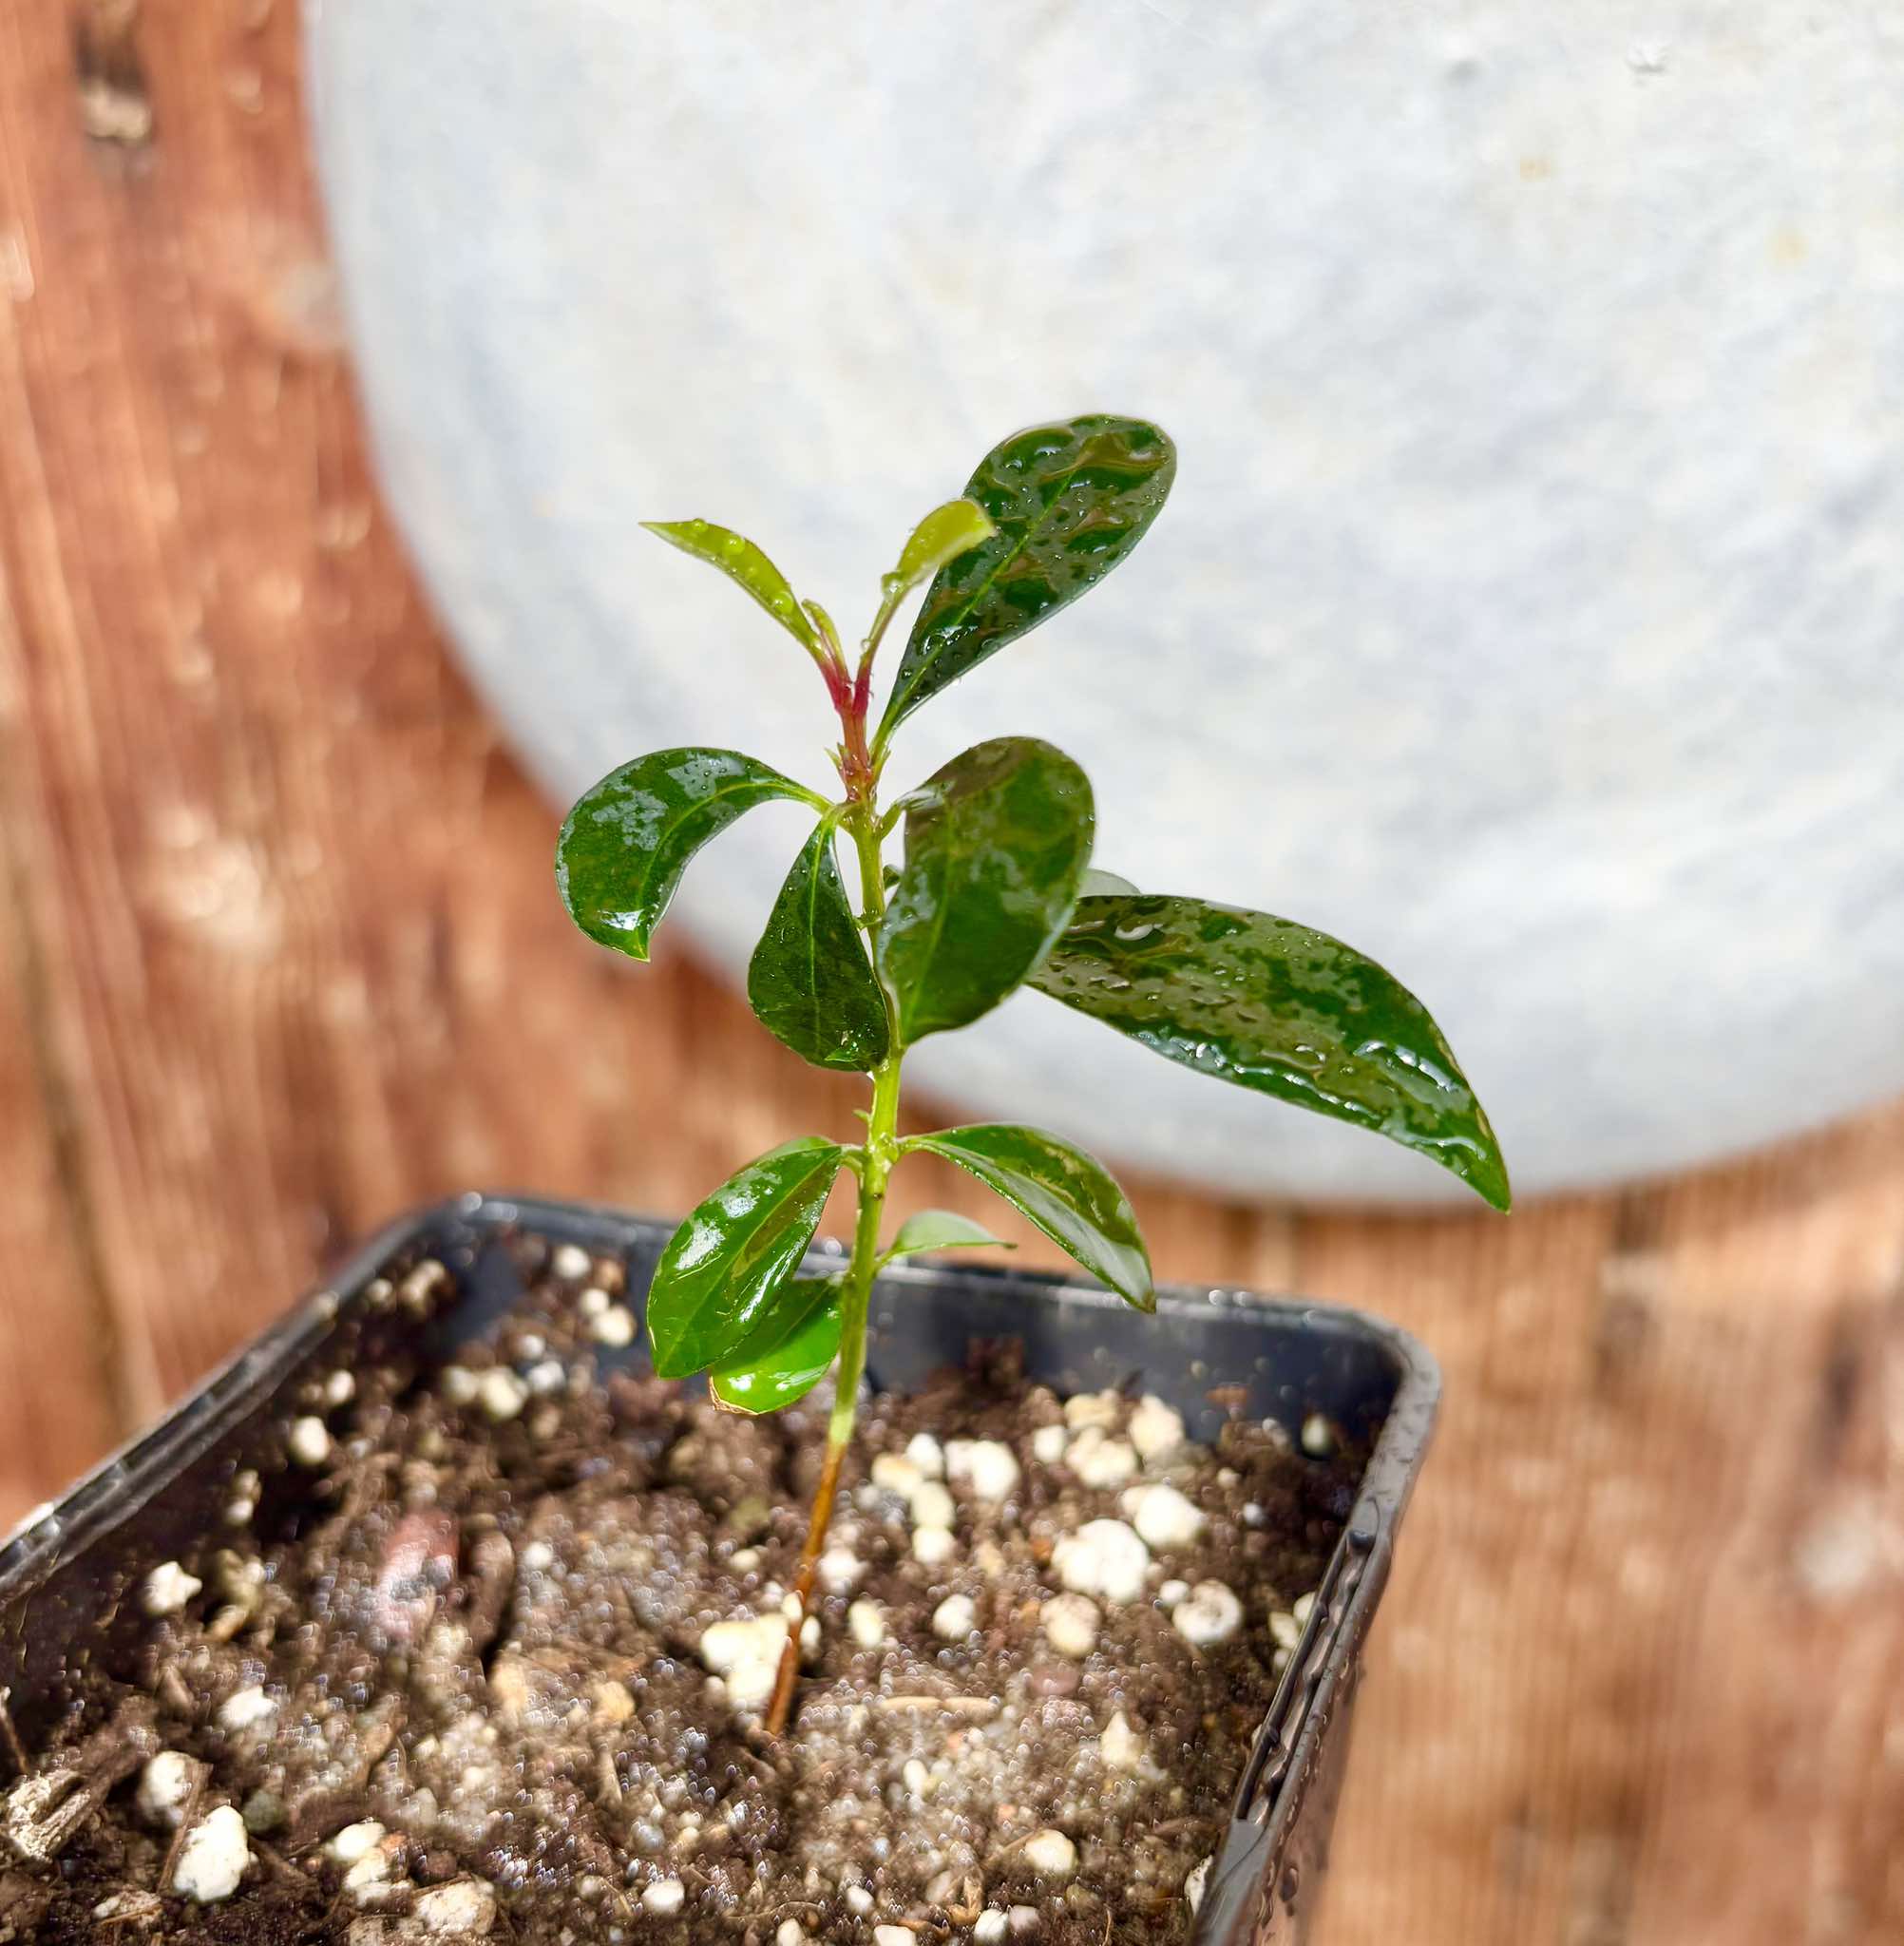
65, 1574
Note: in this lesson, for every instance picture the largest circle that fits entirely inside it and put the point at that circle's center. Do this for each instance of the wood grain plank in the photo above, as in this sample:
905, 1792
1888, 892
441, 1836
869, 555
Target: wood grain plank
281, 956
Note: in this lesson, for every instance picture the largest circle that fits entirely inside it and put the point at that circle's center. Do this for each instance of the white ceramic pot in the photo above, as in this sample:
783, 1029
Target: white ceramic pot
1529, 608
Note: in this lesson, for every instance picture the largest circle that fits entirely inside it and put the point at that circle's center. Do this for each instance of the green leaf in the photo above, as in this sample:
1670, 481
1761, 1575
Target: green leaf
996, 844
719, 1280
809, 978
942, 1229
627, 841
741, 560
1279, 1008
1097, 884
941, 537
1069, 502
1070, 1196
790, 1367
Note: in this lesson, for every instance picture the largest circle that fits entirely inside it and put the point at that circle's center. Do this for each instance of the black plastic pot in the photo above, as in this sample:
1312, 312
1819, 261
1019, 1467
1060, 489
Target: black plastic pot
77, 1561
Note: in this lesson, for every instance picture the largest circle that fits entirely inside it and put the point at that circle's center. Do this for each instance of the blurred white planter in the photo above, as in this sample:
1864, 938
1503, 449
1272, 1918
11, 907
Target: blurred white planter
1529, 608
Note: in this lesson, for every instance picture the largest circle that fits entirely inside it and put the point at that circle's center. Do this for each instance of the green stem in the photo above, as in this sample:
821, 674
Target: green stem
888, 607
877, 1155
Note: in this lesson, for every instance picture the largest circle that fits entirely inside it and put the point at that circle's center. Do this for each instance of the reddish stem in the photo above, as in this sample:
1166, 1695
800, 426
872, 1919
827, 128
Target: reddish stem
788, 1673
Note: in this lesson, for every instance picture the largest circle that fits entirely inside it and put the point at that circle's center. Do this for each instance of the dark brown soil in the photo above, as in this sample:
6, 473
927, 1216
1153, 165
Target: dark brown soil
492, 1637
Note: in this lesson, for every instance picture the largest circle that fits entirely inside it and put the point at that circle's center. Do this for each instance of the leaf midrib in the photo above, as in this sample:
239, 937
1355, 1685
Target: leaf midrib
901, 698
779, 787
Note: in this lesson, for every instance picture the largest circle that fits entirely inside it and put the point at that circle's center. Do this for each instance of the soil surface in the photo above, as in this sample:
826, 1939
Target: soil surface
480, 1652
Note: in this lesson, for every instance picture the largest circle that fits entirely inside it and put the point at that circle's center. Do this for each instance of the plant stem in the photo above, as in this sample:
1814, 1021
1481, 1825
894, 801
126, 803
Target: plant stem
877, 1156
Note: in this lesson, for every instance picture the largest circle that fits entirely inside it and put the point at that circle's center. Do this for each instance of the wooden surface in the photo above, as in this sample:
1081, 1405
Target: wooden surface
279, 954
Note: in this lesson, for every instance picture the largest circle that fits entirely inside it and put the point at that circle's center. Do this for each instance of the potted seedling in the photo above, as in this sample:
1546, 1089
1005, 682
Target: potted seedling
459, 1607
995, 889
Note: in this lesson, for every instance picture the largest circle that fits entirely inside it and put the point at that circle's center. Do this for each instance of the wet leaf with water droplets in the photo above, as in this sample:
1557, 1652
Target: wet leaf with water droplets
741, 560
1279, 1008
996, 844
1097, 883
627, 841
809, 978
796, 1360
942, 1229
717, 1283
1068, 502
1070, 1196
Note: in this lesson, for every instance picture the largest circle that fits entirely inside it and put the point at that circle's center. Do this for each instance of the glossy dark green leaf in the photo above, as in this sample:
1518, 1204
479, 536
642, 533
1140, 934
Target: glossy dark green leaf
1070, 1196
718, 1281
741, 560
624, 846
809, 978
942, 1229
795, 1363
1280, 1008
1069, 502
1097, 884
941, 537
996, 844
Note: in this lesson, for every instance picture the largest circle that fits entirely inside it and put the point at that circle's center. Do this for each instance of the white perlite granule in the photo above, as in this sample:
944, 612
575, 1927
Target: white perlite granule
244, 1709
168, 1588
932, 1505
502, 1393
1211, 1615
1163, 1516
1121, 1746
213, 1858
1156, 1430
613, 1326
308, 1442
1103, 1557
954, 1618
1101, 1462
463, 1906
164, 1785
839, 1567
933, 1545
1102, 1409
896, 1474
1069, 1623
1193, 1885
988, 1467
355, 1840
1050, 1854
570, 1263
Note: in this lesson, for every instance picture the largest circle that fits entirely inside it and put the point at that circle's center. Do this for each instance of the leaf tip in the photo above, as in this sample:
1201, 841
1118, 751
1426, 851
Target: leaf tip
1483, 1168
1491, 1183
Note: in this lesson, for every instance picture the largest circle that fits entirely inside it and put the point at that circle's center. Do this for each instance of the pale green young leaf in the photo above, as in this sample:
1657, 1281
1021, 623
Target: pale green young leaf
945, 534
942, 1229
741, 560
